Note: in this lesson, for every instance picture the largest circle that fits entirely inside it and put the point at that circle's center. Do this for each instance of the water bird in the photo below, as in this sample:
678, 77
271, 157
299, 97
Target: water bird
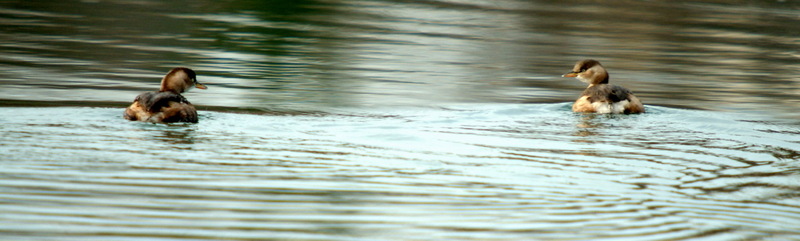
600, 96
167, 104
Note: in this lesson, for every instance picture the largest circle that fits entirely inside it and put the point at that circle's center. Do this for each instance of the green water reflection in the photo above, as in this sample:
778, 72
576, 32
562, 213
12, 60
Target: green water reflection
314, 55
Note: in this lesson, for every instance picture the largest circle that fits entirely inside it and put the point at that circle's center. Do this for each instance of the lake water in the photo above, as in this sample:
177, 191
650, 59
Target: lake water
400, 120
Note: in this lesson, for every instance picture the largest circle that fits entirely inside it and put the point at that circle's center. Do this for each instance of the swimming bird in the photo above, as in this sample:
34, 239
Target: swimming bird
600, 96
167, 104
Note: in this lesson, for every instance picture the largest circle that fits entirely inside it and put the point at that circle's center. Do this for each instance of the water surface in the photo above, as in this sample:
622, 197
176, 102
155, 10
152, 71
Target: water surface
400, 120
529, 171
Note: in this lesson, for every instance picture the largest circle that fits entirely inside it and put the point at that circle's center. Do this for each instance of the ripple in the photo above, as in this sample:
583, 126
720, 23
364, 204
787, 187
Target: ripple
454, 172
394, 120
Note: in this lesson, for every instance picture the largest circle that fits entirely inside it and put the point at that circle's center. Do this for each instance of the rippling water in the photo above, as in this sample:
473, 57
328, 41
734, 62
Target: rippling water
494, 172
400, 120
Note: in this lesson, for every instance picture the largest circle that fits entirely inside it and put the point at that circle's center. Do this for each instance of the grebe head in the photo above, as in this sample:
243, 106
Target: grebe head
180, 80
589, 71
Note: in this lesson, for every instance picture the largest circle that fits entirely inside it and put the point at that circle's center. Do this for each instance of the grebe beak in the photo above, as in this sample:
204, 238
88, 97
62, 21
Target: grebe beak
200, 86
570, 74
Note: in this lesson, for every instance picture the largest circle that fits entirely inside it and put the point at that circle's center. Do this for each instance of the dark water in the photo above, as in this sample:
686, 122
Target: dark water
400, 120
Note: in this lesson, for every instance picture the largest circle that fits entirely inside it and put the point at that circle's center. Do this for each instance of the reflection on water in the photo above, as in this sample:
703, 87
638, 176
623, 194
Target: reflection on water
313, 55
398, 119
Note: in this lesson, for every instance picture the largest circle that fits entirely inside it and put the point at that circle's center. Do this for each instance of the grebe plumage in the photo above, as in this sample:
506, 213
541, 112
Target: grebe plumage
167, 104
600, 96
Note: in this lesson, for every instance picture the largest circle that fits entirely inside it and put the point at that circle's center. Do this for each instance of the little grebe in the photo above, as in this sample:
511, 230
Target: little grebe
600, 96
167, 104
